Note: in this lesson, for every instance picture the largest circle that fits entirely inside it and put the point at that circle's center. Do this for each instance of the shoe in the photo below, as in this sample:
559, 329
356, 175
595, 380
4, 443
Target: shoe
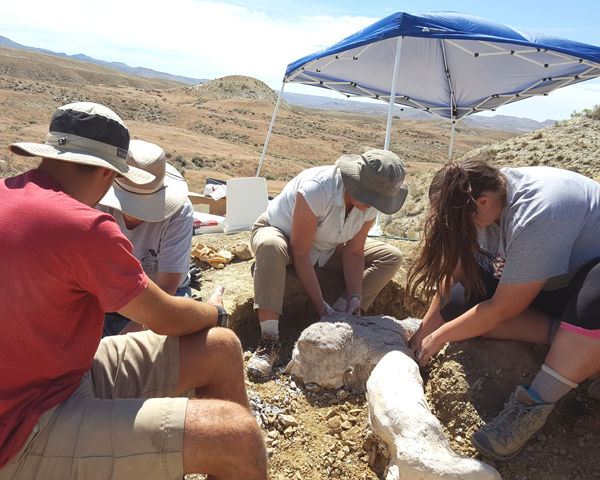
594, 389
260, 365
523, 416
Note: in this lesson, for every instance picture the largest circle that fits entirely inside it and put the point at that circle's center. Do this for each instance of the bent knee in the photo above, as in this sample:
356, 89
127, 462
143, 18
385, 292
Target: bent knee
223, 339
271, 248
223, 434
389, 255
234, 424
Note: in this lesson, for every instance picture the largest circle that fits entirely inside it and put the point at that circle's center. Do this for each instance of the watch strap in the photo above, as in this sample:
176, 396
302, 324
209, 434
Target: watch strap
223, 316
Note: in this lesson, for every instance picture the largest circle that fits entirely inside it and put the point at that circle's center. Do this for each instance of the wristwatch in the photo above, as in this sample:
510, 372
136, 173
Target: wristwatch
223, 316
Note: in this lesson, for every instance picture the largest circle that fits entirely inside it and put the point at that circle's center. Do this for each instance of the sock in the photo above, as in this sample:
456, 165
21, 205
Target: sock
549, 385
269, 328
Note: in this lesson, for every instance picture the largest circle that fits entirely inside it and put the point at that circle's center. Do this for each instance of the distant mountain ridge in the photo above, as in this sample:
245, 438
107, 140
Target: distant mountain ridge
496, 122
120, 66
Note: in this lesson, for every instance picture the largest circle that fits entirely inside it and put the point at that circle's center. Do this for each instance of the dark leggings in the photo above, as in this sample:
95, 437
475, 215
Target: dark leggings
577, 304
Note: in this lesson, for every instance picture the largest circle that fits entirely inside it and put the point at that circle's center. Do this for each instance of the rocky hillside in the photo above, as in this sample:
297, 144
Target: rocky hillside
237, 87
573, 144
57, 71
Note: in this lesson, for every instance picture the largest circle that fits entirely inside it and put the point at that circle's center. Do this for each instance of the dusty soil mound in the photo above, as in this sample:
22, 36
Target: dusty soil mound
237, 86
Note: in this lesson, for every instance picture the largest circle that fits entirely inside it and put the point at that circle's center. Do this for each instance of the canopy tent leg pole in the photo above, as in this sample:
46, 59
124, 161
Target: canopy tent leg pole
451, 140
262, 157
376, 228
452, 99
388, 130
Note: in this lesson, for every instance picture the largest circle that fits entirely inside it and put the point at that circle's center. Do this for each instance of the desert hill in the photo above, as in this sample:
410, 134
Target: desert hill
120, 66
214, 129
41, 67
237, 87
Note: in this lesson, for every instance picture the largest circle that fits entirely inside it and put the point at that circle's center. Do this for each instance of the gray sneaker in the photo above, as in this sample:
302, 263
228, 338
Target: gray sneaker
523, 416
260, 365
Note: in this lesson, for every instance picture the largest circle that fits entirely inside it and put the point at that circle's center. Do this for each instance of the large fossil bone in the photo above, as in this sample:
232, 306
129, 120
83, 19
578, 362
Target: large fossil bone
401, 418
342, 350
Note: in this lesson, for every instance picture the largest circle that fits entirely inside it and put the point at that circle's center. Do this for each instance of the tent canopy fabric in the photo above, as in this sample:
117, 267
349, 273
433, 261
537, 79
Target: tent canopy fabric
450, 64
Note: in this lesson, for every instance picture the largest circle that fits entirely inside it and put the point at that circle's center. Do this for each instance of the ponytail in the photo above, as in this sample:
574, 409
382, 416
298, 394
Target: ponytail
450, 234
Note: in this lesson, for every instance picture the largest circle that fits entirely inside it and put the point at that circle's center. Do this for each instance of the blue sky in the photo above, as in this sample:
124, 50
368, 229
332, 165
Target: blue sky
210, 39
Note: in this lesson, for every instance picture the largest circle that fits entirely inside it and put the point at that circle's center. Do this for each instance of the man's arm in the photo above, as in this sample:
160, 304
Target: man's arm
168, 315
169, 282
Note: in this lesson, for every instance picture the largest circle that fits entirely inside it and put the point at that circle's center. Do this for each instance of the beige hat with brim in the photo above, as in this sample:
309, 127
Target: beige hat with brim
151, 202
90, 134
375, 178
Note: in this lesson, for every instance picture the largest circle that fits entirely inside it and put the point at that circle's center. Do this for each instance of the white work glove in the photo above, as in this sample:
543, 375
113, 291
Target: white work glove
353, 304
325, 310
340, 305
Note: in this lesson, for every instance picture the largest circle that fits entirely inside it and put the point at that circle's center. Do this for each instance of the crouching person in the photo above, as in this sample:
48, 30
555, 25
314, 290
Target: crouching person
73, 405
521, 261
321, 220
158, 220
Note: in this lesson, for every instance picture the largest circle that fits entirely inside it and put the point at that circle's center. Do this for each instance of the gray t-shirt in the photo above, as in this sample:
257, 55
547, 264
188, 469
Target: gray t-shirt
161, 246
323, 190
549, 228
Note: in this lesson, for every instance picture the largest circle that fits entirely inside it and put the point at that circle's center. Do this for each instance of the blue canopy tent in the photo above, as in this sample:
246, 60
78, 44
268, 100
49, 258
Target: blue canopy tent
448, 64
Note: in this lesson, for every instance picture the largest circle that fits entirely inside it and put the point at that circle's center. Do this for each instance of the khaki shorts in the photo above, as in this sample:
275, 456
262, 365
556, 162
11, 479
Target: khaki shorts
111, 428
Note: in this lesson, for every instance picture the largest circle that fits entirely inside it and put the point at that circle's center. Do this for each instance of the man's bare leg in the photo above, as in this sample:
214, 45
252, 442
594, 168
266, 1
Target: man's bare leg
223, 440
210, 361
221, 436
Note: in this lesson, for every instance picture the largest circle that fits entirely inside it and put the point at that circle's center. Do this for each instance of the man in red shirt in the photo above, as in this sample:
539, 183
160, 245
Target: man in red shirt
72, 406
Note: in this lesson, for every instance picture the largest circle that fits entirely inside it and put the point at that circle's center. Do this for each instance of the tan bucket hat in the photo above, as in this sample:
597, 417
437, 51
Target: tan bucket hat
376, 178
152, 202
86, 133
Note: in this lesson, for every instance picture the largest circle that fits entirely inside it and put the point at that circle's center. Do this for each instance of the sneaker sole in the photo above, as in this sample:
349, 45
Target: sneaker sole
254, 374
489, 454
494, 456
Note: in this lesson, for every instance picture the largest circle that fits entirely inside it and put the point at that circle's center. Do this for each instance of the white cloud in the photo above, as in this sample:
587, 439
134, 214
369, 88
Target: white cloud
201, 39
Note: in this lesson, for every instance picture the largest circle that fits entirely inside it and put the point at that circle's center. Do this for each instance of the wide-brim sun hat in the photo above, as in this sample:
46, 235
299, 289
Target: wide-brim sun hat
151, 202
90, 134
376, 178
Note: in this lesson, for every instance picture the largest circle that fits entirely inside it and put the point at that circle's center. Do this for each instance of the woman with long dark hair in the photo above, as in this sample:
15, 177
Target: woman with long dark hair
515, 254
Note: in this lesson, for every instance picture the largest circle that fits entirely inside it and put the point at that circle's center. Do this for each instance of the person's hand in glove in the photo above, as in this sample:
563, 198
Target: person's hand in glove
353, 303
325, 310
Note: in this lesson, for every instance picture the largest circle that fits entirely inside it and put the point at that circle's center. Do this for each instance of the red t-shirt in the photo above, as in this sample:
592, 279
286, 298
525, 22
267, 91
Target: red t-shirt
62, 265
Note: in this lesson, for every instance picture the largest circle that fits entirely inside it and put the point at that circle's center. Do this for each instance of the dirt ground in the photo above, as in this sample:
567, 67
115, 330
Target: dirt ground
314, 434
